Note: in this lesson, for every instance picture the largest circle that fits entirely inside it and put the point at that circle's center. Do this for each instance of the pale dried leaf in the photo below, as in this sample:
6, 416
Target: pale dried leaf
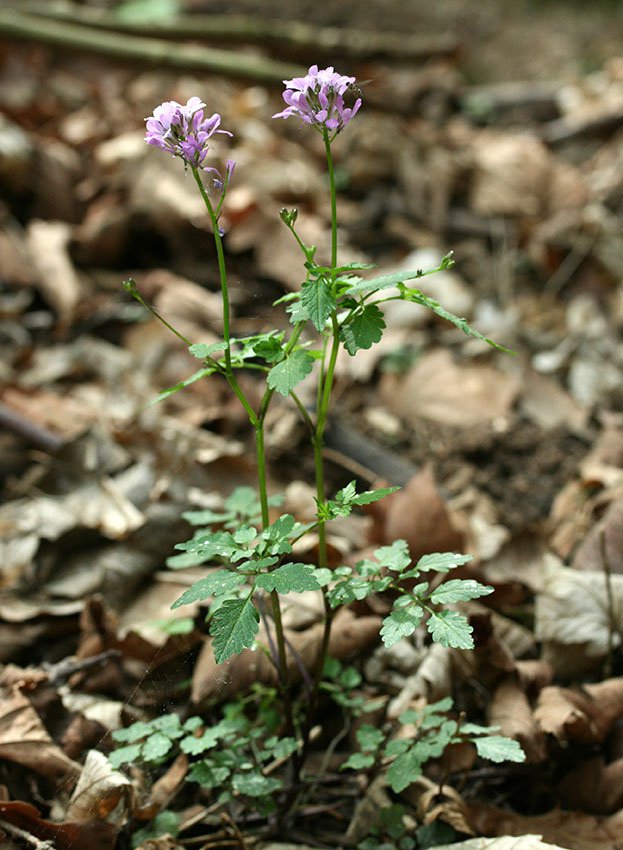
101, 793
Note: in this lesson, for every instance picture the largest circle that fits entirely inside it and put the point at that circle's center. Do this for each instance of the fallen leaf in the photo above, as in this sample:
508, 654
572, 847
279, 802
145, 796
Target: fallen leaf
584, 716
101, 793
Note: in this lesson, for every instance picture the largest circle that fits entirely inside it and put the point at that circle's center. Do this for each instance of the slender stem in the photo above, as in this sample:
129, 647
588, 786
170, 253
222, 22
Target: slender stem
331, 170
222, 270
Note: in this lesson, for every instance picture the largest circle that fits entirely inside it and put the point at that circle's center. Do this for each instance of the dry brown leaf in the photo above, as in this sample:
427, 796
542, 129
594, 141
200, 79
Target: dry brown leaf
502, 842
101, 793
64, 836
510, 710
417, 514
57, 278
594, 786
443, 391
573, 830
585, 716
602, 548
25, 740
548, 405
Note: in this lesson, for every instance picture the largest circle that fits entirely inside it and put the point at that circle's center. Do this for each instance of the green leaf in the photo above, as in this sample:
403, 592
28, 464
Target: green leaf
187, 559
318, 301
135, 732
193, 746
363, 330
286, 375
164, 822
405, 770
289, 578
401, 623
395, 557
201, 350
276, 538
459, 590
207, 774
387, 281
498, 748
125, 755
297, 311
233, 628
369, 738
255, 784
216, 584
449, 628
196, 376
418, 297
269, 349
441, 562
358, 761
369, 496
156, 746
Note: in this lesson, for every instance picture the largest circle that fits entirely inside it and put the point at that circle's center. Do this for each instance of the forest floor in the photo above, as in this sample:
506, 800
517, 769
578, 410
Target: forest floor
496, 136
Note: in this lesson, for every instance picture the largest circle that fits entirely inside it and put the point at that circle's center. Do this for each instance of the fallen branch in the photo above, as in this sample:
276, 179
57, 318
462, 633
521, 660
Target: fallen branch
150, 51
287, 36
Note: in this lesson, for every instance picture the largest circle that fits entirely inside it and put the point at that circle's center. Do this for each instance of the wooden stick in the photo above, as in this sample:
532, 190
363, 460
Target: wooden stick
149, 51
282, 35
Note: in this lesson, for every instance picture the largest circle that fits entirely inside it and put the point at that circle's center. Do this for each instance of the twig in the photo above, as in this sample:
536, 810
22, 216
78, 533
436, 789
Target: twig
39, 436
282, 35
60, 672
149, 51
37, 843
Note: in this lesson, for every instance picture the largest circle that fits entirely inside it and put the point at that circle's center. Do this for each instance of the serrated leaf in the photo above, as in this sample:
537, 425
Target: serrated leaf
449, 628
125, 755
459, 590
369, 496
498, 748
358, 761
318, 301
401, 623
201, 350
233, 628
286, 375
269, 349
441, 562
187, 559
418, 297
297, 311
216, 584
395, 557
207, 774
255, 784
369, 738
193, 745
387, 281
404, 771
289, 578
156, 746
363, 330
135, 732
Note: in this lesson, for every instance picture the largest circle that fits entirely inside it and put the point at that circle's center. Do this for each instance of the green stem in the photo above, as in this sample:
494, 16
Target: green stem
331, 170
222, 270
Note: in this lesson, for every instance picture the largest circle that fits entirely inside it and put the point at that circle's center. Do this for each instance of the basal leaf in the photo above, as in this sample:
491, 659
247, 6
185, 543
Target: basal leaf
401, 623
318, 301
459, 590
358, 761
405, 770
208, 774
125, 755
363, 330
289, 578
233, 628
286, 375
216, 584
498, 748
255, 784
369, 738
449, 628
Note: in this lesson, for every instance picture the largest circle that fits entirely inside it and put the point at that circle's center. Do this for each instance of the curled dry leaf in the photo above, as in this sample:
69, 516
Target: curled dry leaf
594, 786
59, 283
585, 716
63, 836
101, 793
510, 710
25, 740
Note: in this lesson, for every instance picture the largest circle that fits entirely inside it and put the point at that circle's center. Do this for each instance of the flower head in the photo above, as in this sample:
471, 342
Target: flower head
183, 130
318, 98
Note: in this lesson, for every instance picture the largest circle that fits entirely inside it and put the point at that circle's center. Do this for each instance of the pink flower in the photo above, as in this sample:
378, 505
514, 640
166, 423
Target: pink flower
182, 130
318, 99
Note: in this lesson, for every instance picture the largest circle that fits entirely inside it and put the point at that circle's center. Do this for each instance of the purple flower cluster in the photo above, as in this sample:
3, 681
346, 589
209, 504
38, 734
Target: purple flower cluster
318, 98
183, 131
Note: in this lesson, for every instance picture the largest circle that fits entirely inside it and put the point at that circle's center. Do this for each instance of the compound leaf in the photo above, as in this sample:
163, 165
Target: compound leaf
233, 628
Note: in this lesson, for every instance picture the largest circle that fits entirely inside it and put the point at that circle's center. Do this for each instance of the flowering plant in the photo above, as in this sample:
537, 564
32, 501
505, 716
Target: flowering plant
335, 308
